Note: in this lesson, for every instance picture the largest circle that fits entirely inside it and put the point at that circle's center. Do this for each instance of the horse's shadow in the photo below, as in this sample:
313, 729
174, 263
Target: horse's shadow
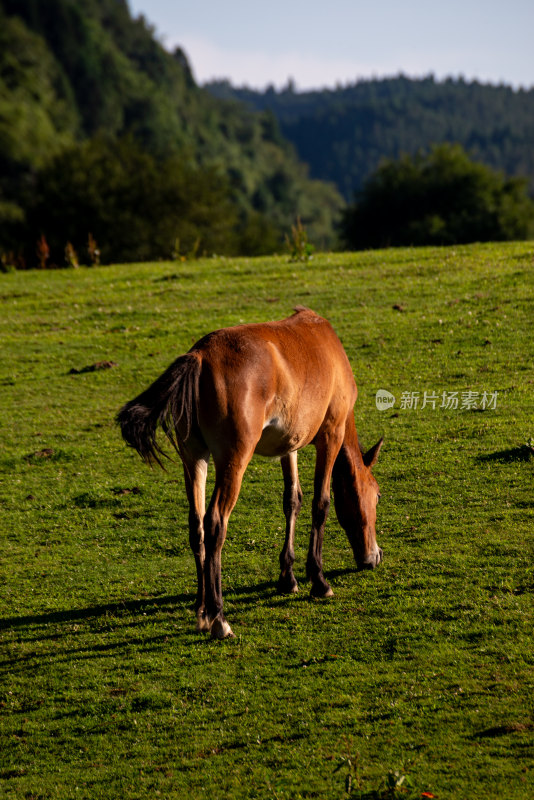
150, 605
523, 453
237, 596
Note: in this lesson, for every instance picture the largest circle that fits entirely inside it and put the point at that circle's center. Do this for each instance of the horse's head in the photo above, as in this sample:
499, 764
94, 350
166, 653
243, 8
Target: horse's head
356, 495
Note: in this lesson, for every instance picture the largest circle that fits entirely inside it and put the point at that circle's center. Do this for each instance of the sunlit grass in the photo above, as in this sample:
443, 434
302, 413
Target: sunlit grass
422, 668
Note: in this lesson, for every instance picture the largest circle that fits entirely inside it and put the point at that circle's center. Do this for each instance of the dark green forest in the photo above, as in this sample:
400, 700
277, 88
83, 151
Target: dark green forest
103, 132
110, 151
344, 133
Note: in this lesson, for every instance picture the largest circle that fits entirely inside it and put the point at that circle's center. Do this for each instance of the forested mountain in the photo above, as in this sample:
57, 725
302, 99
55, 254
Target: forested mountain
343, 133
102, 131
109, 149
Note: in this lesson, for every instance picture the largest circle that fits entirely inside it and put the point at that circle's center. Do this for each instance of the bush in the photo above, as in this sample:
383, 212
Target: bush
134, 206
439, 198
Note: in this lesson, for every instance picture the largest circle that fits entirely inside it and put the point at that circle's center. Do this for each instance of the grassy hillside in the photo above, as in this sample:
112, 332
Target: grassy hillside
417, 677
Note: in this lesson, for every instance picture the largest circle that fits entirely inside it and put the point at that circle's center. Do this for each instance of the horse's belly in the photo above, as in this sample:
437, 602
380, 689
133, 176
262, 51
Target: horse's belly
277, 440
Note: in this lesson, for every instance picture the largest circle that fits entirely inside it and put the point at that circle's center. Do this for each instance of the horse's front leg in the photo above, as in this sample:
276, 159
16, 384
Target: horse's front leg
327, 446
228, 477
287, 582
195, 473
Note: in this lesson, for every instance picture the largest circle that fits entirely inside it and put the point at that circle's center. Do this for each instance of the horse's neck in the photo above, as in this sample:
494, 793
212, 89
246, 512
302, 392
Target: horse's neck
350, 449
346, 480
348, 466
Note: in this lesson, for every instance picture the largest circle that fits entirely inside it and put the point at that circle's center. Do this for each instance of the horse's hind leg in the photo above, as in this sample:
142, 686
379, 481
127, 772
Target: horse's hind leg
195, 472
292, 504
228, 476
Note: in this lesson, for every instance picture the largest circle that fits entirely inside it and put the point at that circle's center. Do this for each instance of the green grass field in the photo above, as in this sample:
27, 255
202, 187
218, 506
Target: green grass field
415, 678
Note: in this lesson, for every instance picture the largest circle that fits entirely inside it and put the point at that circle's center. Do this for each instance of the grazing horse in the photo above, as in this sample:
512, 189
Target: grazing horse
268, 388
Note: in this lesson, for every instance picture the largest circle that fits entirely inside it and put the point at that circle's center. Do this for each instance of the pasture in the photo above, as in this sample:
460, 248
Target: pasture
415, 679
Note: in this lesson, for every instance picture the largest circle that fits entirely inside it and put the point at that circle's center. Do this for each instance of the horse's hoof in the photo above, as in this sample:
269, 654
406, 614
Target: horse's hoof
321, 591
220, 629
285, 586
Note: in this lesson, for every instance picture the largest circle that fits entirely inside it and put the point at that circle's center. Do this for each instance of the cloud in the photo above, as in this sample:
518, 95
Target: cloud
257, 68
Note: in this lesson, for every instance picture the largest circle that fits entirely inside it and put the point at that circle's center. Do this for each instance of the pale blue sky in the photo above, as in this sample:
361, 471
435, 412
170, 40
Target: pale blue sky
322, 43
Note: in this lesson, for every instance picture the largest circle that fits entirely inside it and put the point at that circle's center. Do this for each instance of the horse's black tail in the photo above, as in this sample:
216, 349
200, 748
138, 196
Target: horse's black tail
171, 401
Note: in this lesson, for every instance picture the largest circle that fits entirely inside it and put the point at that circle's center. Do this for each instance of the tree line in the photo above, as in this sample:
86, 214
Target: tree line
344, 133
110, 151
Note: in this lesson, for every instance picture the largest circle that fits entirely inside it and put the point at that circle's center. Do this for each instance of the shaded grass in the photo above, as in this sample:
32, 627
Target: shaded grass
422, 668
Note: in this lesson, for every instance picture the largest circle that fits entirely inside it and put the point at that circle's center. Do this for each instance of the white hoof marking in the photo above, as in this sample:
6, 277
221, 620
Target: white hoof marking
220, 629
203, 623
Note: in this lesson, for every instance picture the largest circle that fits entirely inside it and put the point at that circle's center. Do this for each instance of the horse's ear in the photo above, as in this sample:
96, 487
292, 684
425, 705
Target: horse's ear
371, 457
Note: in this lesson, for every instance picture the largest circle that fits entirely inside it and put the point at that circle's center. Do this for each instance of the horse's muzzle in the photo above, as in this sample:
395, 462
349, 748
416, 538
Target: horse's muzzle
371, 561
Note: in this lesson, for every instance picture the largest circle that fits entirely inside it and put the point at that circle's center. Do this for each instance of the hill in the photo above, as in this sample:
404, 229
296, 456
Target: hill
72, 74
343, 133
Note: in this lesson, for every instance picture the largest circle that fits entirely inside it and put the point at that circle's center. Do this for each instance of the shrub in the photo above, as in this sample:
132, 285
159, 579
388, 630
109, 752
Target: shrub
439, 198
135, 206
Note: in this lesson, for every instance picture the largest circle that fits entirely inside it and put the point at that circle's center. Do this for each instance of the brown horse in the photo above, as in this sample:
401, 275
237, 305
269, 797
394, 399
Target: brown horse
270, 389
